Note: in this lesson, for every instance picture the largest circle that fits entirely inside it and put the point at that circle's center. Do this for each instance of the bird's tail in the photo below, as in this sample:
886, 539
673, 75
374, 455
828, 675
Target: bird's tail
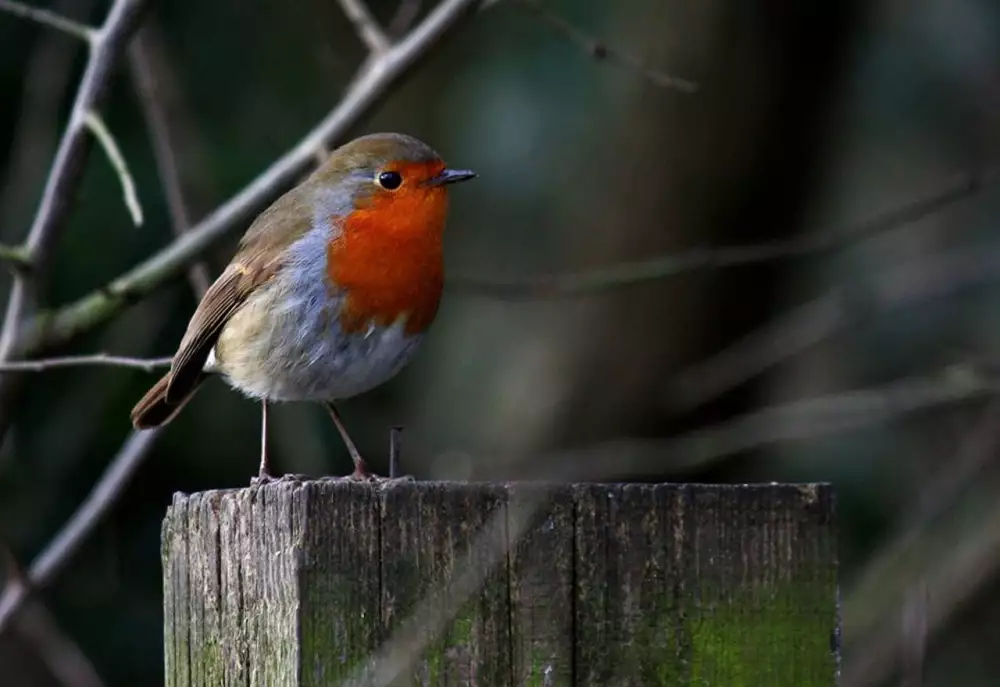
153, 410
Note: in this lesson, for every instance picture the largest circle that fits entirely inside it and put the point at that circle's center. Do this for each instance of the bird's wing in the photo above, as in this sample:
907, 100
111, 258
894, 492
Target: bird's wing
258, 258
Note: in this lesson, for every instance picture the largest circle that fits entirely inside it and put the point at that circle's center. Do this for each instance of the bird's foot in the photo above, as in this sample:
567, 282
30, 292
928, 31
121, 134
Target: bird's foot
363, 474
263, 478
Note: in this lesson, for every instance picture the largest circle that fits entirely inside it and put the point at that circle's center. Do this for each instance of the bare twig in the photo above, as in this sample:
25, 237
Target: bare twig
866, 296
601, 51
377, 76
101, 359
657, 269
873, 597
58, 552
366, 25
62, 656
107, 141
67, 167
15, 257
49, 19
958, 561
800, 420
405, 15
35, 133
153, 83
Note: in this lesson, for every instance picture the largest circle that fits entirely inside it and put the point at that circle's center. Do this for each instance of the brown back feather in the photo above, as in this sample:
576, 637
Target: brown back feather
258, 258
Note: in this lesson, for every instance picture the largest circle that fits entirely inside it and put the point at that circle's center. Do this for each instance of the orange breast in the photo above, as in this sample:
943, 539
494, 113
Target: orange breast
388, 259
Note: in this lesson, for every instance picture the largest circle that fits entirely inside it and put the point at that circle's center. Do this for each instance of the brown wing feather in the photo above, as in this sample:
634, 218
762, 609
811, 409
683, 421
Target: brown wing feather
215, 308
256, 261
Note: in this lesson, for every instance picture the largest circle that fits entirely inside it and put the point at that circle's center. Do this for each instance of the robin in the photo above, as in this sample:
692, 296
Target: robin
330, 292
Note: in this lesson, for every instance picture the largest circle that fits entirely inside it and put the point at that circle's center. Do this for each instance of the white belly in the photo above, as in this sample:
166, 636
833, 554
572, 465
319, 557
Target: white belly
268, 355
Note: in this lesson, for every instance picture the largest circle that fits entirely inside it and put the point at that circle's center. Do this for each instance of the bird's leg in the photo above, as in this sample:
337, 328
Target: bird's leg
361, 470
264, 473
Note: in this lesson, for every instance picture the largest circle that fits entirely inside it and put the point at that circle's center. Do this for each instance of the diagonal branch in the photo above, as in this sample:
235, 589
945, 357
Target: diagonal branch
656, 269
107, 45
865, 297
601, 51
16, 257
49, 19
66, 543
366, 25
158, 98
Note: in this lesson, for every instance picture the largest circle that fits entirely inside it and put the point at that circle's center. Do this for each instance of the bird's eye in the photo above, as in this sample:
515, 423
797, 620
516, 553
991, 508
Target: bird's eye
390, 180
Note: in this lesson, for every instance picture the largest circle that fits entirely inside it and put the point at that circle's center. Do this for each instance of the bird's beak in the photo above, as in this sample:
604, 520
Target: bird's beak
450, 176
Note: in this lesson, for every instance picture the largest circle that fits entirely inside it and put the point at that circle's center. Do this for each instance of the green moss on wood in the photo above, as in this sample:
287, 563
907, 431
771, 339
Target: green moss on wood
297, 584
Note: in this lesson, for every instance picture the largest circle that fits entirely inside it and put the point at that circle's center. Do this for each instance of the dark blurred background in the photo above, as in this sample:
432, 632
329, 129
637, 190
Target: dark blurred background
865, 360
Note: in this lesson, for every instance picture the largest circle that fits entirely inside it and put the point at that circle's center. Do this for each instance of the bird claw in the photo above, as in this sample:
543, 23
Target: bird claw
266, 478
364, 475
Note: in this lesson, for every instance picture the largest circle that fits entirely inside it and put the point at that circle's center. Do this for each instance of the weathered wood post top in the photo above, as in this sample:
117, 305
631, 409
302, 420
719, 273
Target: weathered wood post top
438, 583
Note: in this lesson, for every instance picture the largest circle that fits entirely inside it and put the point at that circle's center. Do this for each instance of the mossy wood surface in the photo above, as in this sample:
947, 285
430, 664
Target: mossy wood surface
431, 583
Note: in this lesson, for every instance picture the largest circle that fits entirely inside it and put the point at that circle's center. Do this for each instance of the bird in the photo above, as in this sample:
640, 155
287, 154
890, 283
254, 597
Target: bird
329, 294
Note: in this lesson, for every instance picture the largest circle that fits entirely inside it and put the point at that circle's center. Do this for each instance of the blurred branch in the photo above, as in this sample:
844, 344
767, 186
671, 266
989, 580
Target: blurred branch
867, 296
366, 25
107, 45
102, 497
153, 86
436, 609
957, 565
34, 136
16, 257
107, 141
601, 51
102, 359
628, 274
50, 19
401, 22
800, 420
61, 655
881, 593
378, 75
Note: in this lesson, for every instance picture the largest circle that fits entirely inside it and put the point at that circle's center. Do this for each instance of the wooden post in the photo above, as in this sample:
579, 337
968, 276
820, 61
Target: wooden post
431, 583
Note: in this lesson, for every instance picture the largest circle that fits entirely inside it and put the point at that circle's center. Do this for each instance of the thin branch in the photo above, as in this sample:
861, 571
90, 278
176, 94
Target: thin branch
16, 257
38, 125
102, 497
67, 168
801, 420
366, 25
601, 51
153, 84
629, 274
107, 141
377, 76
405, 15
97, 359
49, 19
61, 655
866, 297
